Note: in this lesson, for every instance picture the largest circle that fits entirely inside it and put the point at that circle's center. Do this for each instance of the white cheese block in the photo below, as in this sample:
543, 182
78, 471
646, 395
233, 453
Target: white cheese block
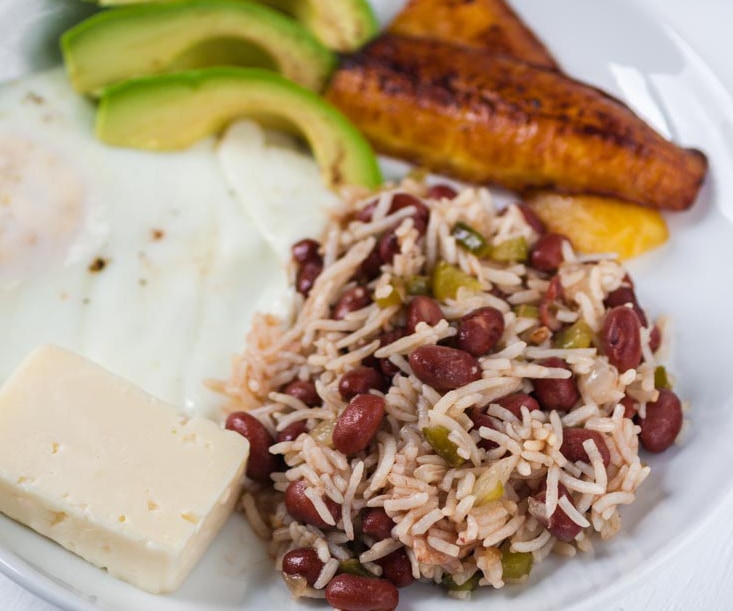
111, 473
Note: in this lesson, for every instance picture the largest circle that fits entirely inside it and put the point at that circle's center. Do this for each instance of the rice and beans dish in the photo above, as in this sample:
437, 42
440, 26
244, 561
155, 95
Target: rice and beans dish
456, 396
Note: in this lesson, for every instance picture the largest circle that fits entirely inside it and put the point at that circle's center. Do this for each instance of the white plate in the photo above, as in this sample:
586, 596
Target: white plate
634, 56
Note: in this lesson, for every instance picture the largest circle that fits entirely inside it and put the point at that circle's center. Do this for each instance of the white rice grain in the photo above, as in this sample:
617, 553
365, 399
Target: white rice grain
612, 499
579, 415
423, 524
387, 453
320, 506
533, 544
348, 500
553, 477
404, 504
596, 460
440, 545
253, 516
579, 485
531, 370
375, 322
546, 353
506, 531
379, 550
327, 573
424, 334
379, 225
572, 513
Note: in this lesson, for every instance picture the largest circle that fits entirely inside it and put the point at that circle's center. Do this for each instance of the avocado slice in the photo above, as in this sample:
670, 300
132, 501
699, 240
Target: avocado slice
146, 39
342, 25
172, 111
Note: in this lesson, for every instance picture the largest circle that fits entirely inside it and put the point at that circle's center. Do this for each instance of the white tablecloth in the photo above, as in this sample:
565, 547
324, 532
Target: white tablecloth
700, 575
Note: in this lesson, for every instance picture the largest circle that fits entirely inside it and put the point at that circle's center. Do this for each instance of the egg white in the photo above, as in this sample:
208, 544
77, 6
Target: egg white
143, 262
279, 185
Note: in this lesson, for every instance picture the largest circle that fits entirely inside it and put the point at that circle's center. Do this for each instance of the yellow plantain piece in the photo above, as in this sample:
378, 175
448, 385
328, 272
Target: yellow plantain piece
493, 119
490, 25
600, 224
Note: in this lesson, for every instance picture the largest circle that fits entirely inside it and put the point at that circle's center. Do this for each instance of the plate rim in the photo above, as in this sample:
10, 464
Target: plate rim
18, 570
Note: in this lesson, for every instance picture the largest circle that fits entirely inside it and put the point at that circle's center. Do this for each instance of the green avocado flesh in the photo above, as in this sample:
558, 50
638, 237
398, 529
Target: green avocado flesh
171, 112
160, 38
342, 25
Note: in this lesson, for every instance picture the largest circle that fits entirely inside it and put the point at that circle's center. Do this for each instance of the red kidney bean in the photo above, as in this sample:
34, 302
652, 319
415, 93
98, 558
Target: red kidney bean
303, 562
358, 424
655, 339
367, 212
562, 527
301, 508
514, 403
479, 331
360, 381
444, 368
481, 418
352, 299
307, 275
663, 422
396, 568
388, 368
559, 524
370, 267
423, 309
388, 246
403, 200
625, 295
386, 338
572, 445
260, 463
377, 524
630, 407
441, 192
449, 342
547, 254
355, 593
620, 338
531, 217
554, 393
306, 250
548, 306
419, 218
292, 431
497, 292
305, 390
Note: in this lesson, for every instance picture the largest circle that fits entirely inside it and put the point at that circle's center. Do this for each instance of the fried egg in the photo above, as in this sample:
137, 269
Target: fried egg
279, 185
143, 262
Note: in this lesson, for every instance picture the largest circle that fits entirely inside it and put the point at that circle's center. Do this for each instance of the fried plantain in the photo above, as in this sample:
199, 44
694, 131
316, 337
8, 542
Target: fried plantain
600, 224
490, 25
493, 119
